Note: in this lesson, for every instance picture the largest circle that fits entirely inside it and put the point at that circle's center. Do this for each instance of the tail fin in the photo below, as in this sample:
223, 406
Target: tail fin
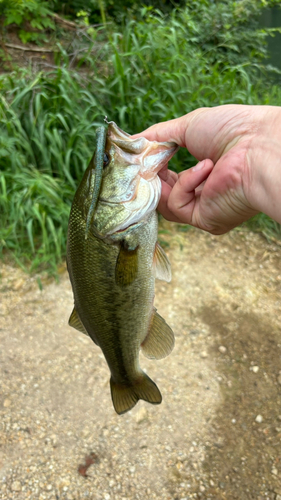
125, 397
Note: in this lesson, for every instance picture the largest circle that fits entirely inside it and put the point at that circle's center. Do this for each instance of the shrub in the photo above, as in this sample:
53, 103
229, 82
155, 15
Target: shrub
149, 70
32, 16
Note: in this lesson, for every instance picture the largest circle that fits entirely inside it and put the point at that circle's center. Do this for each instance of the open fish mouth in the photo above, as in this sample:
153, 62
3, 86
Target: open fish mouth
151, 156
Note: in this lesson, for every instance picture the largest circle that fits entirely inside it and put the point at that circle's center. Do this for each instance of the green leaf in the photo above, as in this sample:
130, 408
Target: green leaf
13, 17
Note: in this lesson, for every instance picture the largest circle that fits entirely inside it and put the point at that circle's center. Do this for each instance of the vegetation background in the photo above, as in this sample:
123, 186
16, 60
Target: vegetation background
84, 59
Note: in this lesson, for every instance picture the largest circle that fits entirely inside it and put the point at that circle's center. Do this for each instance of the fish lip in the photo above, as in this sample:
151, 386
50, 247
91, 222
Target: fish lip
114, 129
169, 153
153, 163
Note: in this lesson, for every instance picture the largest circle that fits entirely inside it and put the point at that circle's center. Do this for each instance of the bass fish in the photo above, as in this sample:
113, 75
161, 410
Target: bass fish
113, 259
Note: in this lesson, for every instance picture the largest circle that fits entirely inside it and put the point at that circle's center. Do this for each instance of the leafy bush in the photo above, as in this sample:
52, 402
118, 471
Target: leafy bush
32, 16
148, 71
228, 31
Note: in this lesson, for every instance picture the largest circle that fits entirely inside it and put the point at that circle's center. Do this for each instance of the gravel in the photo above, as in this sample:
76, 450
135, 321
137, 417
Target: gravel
60, 438
259, 419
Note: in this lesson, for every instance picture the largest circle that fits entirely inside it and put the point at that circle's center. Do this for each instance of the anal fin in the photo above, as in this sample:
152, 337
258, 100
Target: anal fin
160, 339
76, 322
125, 397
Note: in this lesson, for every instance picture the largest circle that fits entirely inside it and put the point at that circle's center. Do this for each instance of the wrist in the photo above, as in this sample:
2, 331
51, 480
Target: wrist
264, 161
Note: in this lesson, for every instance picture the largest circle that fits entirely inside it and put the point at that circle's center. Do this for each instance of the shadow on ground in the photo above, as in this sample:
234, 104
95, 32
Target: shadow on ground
244, 458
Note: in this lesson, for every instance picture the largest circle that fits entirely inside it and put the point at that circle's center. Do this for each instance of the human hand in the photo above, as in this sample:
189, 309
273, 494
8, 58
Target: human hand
239, 173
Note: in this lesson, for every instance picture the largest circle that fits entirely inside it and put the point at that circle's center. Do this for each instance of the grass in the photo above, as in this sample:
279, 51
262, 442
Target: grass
263, 224
149, 72
47, 135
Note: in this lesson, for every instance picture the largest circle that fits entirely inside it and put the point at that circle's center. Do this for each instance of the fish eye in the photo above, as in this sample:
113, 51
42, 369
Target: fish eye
106, 160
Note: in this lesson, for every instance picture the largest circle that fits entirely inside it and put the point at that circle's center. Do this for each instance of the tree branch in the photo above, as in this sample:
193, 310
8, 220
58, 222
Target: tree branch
28, 49
69, 24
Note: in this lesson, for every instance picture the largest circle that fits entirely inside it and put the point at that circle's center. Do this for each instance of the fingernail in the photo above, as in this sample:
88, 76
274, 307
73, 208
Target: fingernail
199, 166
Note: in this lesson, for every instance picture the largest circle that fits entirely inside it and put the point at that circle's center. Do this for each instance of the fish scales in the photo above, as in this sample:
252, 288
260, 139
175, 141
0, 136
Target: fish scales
130, 308
112, 272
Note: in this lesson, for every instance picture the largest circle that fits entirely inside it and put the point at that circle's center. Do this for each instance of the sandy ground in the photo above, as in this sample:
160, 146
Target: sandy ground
217, 433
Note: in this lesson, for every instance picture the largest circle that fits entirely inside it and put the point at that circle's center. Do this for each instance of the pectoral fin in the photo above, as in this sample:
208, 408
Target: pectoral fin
125, 397
161, 264
76, 322
160, 339
126, 266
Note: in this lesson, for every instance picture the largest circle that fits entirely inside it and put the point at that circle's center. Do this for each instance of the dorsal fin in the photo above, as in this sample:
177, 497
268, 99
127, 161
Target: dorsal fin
161, 264
98, 159
160, 339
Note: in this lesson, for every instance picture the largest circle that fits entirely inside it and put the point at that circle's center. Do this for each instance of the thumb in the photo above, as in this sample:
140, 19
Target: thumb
170, 131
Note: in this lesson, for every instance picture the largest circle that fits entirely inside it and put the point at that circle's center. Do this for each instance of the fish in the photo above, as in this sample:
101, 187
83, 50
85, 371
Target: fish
113, 258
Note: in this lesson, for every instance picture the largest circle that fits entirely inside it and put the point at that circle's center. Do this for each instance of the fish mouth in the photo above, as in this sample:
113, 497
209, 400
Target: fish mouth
152, 156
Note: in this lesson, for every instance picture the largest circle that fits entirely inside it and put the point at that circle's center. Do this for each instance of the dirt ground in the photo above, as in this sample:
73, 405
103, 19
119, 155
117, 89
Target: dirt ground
217, 433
